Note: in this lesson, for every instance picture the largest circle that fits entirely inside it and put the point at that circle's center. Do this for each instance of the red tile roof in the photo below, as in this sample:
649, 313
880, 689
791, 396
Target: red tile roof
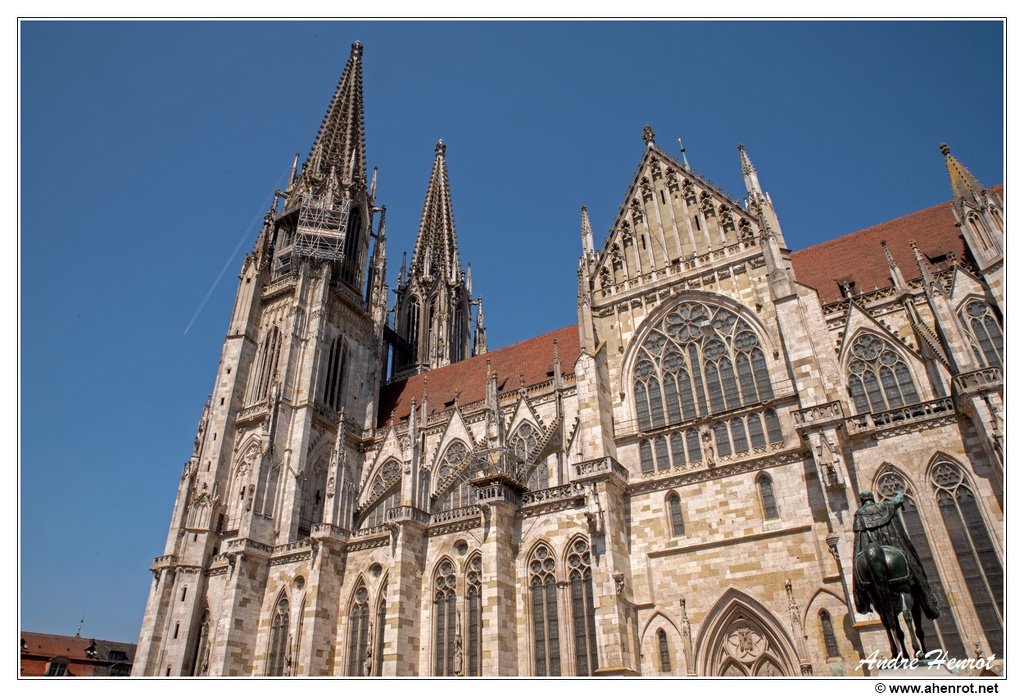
859, 256
534, 358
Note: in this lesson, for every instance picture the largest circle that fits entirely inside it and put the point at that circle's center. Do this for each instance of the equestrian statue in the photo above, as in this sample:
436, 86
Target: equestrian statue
887, 573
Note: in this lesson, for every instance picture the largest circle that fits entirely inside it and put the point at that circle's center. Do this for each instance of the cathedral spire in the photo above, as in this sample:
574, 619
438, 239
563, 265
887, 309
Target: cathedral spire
436, 252
749, 173
587, 234
341, 144
965, 185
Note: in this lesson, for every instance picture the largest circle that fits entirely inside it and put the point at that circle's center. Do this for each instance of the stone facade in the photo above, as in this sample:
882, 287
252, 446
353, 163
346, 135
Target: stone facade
666, 488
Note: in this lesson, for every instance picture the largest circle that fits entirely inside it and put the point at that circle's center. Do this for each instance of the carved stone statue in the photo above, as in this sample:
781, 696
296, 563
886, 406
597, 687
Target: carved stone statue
888, 575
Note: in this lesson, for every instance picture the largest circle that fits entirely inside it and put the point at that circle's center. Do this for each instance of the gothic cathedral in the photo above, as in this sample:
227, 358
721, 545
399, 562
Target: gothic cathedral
665, 488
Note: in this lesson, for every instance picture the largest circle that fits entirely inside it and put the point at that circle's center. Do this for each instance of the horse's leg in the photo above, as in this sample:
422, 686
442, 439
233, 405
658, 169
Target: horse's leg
895, 598
915, 608
909, 607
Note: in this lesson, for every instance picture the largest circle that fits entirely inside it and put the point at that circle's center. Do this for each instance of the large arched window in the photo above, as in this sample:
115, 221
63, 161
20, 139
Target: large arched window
314, 486
581, 589
452, 492
980, 319
474, 625
444, 618
386, 493
334, 384
382, 616
699, 360
544, 605
358, 630
976, 555
278, 638
942, 632
879, 377
524, 441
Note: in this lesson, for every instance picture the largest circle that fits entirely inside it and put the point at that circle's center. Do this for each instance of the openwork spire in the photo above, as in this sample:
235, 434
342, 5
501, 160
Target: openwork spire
341, 145
965, 185
436, 252
749, 173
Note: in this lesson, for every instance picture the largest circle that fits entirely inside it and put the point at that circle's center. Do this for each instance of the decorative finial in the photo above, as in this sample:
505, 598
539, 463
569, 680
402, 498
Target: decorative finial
944, 149
357, 49
440, 147
649, 136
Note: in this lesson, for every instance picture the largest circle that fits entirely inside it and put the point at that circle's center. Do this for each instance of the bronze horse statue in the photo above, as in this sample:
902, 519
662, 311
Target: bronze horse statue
887, 574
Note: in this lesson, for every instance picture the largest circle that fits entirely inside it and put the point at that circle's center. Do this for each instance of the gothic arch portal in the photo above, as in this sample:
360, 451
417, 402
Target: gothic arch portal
740, 636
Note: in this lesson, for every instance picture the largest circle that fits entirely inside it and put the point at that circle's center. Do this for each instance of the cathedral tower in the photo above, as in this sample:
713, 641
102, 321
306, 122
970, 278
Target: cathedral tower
435, 299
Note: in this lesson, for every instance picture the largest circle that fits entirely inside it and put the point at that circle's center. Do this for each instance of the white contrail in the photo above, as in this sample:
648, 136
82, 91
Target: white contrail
241, 241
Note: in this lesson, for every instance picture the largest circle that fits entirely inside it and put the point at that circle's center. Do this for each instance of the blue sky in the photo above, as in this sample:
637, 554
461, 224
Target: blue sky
149, 153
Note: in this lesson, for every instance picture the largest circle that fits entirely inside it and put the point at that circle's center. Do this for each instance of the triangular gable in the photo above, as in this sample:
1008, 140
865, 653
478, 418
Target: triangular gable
455, 430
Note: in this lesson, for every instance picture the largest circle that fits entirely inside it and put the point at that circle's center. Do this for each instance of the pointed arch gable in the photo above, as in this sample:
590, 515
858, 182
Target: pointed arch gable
455, 430
859, 322
659, 622
525, 413
732, 607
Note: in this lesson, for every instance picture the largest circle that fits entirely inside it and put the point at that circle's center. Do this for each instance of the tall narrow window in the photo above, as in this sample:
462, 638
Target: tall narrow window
544, 605
350, 265
474, 625
334, 384
444, 618
200, 661
583, 622
524, 443
265, 367
278, 639
382, 616
451, 490
980, 565
675, 512
764, 487
829, 634
943, 632
664, 659
358, 631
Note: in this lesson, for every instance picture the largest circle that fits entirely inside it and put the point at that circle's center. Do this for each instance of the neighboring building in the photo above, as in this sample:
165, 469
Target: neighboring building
53, 655
665, 488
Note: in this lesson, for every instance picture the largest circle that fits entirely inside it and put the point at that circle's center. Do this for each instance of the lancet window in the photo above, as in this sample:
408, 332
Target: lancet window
335, 382
544, 606
664, 658
942, 632
828, 633
736, 436
581, 589
278, 638
353, 243
524, 442
389, 481
358, 630
412, 324
382, 615
767, 493
879, 377
313, 490
975, 554
445, 622
200, 661
675, 514
265, 367
698, 360
980, 319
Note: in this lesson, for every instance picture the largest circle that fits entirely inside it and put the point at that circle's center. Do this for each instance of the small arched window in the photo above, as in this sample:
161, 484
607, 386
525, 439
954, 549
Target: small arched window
664, 658
278, 638
675, 514
829, 634
879, 378
767, 492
